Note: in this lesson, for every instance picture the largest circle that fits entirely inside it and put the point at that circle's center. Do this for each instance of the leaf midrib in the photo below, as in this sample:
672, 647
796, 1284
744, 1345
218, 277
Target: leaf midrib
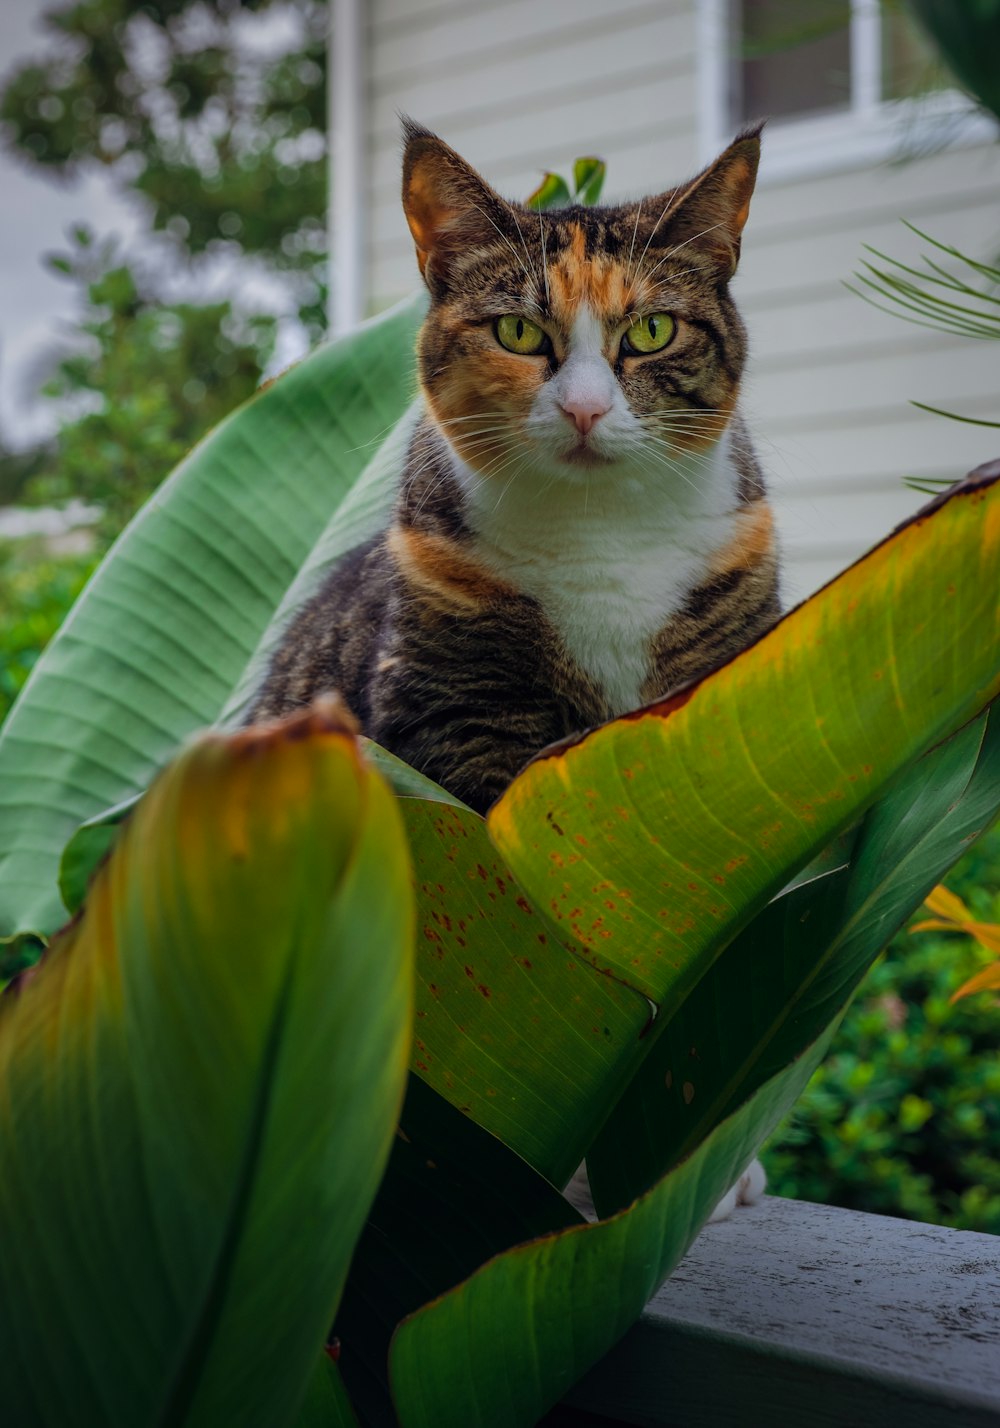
184, 1386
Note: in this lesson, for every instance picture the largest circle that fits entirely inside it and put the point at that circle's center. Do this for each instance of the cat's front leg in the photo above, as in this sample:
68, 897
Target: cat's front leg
747, 1191
469, 725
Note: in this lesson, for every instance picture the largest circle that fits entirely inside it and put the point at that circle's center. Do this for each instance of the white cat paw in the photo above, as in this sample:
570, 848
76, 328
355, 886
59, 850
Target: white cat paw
747, 1191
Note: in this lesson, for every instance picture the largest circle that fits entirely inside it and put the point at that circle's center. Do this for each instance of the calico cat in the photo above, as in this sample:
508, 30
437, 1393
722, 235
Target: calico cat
581, 523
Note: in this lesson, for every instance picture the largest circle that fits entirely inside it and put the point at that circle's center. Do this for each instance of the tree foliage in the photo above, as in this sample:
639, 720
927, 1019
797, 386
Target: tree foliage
212, 113
141, 383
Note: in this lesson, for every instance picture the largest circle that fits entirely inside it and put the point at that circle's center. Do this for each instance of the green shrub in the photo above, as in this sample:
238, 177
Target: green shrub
903, 1118
36, 591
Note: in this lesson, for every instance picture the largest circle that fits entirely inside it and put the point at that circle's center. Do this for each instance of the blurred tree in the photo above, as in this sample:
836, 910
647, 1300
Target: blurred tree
903, 1118
211, 111
142, 382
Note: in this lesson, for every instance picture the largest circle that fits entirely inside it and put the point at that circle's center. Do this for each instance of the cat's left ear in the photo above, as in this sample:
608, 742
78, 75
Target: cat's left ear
448, 207
710, 212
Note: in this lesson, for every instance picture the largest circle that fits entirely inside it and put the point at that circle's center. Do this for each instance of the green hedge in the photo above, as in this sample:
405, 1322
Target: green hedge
36, 591
904, 1116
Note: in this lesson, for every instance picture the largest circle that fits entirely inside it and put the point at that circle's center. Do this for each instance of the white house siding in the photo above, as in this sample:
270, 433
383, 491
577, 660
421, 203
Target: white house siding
832, 378
522, 85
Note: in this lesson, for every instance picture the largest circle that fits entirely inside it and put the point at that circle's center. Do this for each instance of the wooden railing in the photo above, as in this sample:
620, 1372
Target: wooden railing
792, 1315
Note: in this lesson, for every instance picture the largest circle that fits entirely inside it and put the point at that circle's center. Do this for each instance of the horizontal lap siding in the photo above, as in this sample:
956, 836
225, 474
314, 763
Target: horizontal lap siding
832, 378
521, 85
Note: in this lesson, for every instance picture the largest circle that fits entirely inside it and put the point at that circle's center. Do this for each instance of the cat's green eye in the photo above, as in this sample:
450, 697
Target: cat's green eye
649, 334
520, 334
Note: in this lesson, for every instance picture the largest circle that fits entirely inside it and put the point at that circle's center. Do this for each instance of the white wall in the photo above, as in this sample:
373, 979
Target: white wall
521, 85
518, 86
831, 378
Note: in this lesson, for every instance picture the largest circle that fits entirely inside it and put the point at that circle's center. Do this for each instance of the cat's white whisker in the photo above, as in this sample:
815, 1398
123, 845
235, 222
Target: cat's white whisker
524, 245
672, 202
545, 266
631, 251
503, 235
697, 268
678, 246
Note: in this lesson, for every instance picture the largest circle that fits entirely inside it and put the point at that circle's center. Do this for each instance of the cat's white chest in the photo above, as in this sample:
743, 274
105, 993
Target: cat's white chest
609, 602
612, 565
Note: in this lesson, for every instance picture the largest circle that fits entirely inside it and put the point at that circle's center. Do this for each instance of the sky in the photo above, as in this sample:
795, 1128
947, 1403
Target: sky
35, 303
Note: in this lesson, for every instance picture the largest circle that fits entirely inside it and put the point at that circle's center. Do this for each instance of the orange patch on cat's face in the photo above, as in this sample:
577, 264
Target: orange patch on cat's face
481, 400
575, 281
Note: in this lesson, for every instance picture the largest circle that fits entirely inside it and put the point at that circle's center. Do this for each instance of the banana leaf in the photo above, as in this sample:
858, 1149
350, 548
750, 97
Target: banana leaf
172, 629
536, 1316
199, 1085
654, 839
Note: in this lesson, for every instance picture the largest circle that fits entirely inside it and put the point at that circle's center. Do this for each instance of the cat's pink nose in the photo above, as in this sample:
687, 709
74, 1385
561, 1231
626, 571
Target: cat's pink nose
584, 412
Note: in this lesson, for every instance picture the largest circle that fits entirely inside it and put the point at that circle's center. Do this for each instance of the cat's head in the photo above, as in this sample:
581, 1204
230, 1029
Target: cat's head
579, 340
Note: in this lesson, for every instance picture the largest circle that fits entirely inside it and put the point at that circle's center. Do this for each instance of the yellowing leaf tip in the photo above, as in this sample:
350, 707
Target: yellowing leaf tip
326, 715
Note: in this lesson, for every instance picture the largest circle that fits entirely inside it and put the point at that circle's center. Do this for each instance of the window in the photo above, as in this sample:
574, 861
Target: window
843, 82
788, 59
827, 56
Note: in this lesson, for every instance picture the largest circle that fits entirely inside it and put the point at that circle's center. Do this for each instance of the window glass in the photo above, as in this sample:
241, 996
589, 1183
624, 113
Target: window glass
791, 57
909, 63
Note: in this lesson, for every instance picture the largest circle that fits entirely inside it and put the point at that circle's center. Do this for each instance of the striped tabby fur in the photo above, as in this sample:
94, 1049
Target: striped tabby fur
576, 531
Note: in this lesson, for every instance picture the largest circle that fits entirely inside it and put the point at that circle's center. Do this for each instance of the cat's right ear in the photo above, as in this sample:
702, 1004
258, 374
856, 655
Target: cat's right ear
448, 207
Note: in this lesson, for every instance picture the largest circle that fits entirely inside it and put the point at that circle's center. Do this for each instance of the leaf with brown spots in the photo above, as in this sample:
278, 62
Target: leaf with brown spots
748, 774
198, 1090
728, 1067
513, 1025
786, 976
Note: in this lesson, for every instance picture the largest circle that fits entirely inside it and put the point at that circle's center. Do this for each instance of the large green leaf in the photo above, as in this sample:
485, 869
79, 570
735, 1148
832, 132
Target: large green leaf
170, 631
731, 1061
779, 984
532, 1321
968, 35
654, 839
452, 1197
198, 1090
513, 1026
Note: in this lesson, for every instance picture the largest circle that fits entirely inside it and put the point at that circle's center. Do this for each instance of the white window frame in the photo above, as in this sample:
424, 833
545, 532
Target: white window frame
869, 132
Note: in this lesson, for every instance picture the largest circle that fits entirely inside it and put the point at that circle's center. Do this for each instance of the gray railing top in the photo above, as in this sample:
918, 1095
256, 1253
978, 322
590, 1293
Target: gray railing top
817, 1317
